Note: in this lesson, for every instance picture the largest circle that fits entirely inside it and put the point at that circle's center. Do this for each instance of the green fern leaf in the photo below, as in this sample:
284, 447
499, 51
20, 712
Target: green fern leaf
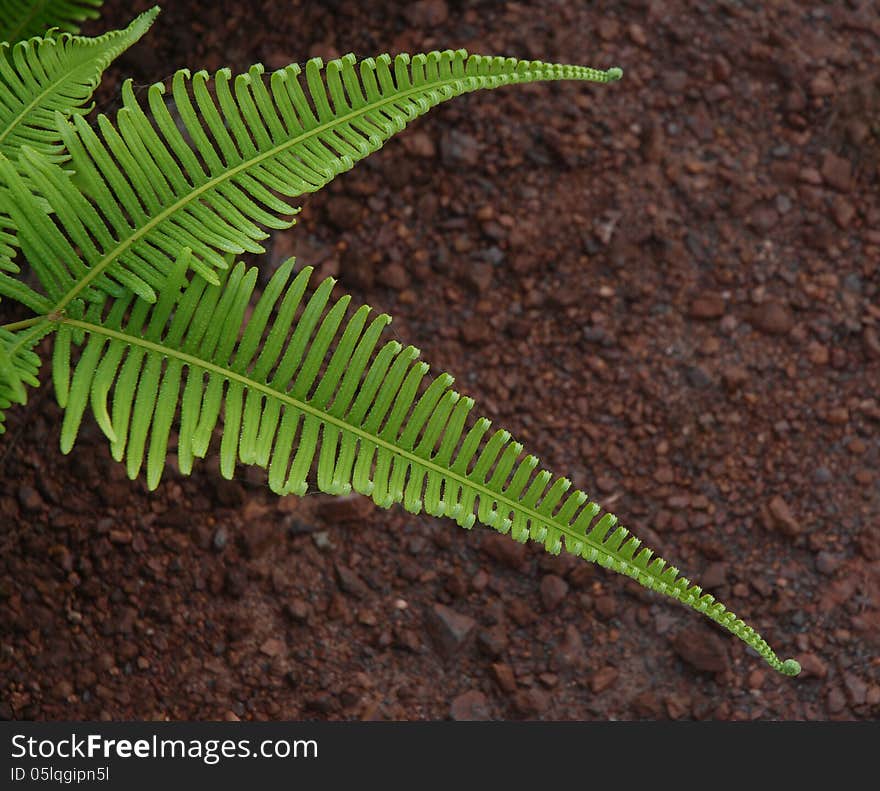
302, 387
18, 370
42, 76
22, 19
212, 179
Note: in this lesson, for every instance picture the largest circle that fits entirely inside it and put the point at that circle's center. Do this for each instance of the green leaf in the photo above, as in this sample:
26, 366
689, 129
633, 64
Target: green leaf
22, 19
309, 391
18, 369
209, 177
43, 76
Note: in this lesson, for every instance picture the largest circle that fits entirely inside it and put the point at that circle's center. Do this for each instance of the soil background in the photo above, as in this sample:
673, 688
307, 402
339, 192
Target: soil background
668, 288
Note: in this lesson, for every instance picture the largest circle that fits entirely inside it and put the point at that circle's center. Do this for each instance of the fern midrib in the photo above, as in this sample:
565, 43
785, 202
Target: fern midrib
198, 362
20, 116
107, 260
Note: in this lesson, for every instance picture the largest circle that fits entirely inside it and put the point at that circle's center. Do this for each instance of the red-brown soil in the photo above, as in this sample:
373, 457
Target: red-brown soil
668, 288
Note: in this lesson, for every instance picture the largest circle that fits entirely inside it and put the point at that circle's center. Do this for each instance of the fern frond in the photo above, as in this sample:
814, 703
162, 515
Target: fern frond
22, 19
211, 179
301, 385
42, 76
18, 370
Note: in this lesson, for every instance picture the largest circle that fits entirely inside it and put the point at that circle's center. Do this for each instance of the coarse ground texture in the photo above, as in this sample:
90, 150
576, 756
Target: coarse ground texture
668, 288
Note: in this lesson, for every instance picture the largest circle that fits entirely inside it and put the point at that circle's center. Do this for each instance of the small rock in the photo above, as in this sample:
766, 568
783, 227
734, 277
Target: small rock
322, 540
871, 340
822, 475
553, 591
836, 700
344, 212
822, 84
812, 665
350, 582
570, 653
419, 144
297, 610
734, 377
470, 706
425, 14
697, 377
504, 549
459, 149
782, 518
843, 212
606, 606
272, 647
827, 563
346, 508
856, 689
818, 353
63, 689
702, 649
706, 306
837, 172
603, 679
637, 34
29, 498
531, 702
756, 679
220, 539
503, 675
396, 277
448, 629
714, 575
493, 641
772, 318
646, 706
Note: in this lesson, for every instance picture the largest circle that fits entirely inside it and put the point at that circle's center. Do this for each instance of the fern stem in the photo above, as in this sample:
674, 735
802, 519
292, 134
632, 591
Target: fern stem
23, 324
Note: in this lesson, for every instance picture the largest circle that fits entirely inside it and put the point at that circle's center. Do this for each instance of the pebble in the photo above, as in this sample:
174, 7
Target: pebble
425, 14
504, 549
350, 582
714, 575
503, 675
782, 517
822, 475
419, 143
297, 610
570, 653
813, 665
553, 591
449, 630
706, 306
837, 172
493, 641
30, 499
459, 149
843, 212
346, 508
856, 689
827, 563
272, 647
396, 277
531, 702
702, 649
221, 538
771, 318
603, 679
470, 706
606, 606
